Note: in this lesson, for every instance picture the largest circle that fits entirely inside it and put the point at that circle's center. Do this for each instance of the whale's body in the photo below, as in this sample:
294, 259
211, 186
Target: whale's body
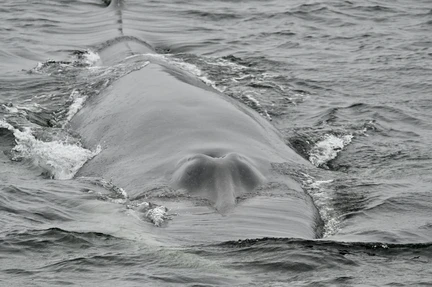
161, 127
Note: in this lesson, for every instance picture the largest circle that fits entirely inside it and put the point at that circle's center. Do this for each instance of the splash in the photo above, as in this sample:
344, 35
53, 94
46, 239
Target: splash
58, 159
157, 214
328, 149
90, 58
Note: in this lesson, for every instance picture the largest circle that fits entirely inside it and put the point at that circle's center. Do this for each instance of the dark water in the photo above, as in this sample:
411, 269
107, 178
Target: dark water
347, 83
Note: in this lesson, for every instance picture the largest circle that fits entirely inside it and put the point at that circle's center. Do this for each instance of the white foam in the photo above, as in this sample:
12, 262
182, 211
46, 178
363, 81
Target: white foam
10, 109
156, 214
253, 100
322, 197
328, 148
78, 101
6, 125
91, 57
226, 63
194, 70
58, 159
119, 195
258, 104
178, 63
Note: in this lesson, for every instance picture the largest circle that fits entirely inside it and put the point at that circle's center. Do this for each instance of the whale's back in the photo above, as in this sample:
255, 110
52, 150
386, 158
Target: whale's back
150, 120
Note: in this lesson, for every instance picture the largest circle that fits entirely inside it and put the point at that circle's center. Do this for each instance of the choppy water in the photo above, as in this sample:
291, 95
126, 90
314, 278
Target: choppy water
347, 83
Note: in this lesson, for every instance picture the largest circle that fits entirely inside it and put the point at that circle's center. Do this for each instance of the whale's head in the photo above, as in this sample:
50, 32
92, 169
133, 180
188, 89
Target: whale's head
220, 178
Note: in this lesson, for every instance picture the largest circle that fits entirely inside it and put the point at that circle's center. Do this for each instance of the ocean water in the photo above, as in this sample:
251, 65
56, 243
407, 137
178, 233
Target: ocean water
348, 84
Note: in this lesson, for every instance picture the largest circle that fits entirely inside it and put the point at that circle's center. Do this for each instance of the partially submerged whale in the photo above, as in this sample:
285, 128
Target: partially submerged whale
161, 126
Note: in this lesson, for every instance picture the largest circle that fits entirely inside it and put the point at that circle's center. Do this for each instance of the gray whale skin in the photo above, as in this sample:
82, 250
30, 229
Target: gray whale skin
161, 126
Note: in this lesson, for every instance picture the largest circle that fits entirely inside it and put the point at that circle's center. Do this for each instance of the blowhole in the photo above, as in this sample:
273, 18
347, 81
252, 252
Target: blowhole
215, 154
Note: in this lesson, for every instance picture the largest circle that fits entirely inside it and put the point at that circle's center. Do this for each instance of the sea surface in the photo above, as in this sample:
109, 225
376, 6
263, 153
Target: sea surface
348, 84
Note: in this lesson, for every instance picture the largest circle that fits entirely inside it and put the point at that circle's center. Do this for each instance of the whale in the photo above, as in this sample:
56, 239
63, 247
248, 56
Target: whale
168, 137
